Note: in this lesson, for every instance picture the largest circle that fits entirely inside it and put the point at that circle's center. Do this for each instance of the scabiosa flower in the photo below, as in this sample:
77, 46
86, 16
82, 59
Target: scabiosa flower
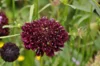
9, 52
3, 21
44, 36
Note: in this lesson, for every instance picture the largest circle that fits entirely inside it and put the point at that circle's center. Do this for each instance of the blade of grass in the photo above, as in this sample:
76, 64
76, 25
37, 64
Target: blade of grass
46, 6
21, 10
35, 9
93, 2
31, 12
13, 9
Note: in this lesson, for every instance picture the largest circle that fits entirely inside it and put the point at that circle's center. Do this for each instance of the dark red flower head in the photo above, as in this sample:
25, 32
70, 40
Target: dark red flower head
44, 35
3, 21
9, 52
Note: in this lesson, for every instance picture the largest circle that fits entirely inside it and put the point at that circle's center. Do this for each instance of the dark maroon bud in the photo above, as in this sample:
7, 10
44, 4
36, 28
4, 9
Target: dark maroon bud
9, 52
3, 21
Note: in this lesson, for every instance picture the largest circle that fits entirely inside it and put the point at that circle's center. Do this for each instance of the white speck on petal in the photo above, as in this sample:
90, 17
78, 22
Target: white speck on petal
0, 18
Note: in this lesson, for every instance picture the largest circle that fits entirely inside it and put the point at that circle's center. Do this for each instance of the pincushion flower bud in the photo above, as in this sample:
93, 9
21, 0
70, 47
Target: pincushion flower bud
44, 36
3, 21
9, 52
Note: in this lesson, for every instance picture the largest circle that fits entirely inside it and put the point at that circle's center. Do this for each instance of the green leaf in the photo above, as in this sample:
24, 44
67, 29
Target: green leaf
46, 6
56, 62
31, 12
84, 17
95, 5
71, 6
29, 59
83, 5
8, 64
64, 1
97, 43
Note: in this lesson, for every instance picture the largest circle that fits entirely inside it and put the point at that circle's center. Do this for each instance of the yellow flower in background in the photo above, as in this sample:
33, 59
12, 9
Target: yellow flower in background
1, 44
38, 58
20, 58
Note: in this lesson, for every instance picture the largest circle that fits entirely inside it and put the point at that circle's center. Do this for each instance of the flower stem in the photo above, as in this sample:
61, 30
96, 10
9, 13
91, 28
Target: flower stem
41, 61
9, 36
13, 8
2, 64
14, 63
36, 9
46, 6
12, 26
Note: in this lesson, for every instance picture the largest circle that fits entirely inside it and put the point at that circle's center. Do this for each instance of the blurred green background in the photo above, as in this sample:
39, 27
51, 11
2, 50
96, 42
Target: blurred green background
81, 18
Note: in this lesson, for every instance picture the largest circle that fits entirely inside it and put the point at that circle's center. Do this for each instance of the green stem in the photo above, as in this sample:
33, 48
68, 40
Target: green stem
21, 50
87, 44
13, 8
14, 63
9, 36
41, 61
44, 8
12, 26
36, 9
2, 64
31, 12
